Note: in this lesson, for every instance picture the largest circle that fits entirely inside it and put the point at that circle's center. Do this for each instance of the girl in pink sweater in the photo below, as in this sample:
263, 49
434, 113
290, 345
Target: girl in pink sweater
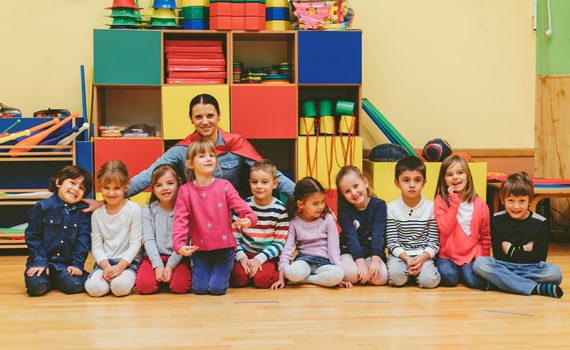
463, 221
202, 221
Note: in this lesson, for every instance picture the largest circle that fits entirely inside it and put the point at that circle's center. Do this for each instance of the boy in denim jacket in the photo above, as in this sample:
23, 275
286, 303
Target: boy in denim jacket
59, 235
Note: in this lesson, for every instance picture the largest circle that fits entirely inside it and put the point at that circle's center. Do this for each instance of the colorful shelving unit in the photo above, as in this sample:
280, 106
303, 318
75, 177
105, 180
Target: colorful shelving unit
25, 179
130, 87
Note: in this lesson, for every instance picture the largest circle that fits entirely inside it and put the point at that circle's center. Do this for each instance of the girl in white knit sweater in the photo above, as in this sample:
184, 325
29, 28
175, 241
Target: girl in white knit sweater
116, 235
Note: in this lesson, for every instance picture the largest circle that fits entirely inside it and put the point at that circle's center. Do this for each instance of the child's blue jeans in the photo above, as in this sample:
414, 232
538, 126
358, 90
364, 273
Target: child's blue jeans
57, 279
516, 278
211, 271
451, 274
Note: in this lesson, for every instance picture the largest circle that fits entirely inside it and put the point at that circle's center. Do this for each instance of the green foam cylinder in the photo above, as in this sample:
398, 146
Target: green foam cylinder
309, 108
325, 107
344, 107
195, 12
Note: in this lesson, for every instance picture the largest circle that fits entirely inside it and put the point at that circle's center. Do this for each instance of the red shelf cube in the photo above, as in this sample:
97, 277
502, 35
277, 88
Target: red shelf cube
264, 112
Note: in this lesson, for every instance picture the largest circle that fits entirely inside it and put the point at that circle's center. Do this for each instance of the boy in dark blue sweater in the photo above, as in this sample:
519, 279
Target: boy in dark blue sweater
520, 245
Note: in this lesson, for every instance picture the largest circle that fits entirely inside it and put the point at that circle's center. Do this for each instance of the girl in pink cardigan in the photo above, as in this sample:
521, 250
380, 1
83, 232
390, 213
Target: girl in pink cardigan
463, 221
202, 221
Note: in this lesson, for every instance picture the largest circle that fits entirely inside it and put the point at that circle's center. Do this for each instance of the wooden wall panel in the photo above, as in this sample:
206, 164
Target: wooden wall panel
552, 158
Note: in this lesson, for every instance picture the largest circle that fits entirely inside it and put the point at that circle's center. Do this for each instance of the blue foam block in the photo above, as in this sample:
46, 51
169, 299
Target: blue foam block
195, 24
277, 14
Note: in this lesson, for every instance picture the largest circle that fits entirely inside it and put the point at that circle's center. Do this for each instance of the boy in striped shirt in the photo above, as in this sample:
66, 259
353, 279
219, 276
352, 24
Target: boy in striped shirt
412, 236
258, 247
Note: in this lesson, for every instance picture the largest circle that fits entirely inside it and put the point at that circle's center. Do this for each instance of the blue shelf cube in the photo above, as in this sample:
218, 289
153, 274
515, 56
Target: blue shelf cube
330, 57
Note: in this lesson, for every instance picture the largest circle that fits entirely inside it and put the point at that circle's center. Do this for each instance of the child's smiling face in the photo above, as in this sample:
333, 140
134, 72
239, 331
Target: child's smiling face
456, 178
71, 191
166, 187
114, 193
517, 206
262, 185
312, 206
354, 189
203, 163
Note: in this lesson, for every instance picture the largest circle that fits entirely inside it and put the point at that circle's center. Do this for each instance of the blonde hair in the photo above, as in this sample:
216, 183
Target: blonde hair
201, 146
345, 170
266, 166
113, 171
442, 188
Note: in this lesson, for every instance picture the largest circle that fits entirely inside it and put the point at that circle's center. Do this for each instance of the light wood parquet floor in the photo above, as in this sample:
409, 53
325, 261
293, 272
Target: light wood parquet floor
305, 317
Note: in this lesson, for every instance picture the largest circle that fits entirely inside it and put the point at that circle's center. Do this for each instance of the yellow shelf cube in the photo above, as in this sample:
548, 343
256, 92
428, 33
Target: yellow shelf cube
176, 101
344, 150
382, 179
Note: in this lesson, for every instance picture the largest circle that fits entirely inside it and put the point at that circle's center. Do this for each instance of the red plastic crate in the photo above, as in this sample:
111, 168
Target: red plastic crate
238, 9
255, 23
238, 23
220, 9
221, 22
254, 9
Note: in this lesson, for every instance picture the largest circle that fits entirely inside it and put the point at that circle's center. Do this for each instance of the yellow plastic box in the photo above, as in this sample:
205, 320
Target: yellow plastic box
321, 154
382, 179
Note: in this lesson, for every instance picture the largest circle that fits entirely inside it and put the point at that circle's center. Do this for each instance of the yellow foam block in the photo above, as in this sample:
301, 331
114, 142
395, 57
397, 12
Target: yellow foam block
327, 125
141, 198
382, 179
320, 152
277, 3
347, 124
278, 25
176, 101
194, 3
307, 126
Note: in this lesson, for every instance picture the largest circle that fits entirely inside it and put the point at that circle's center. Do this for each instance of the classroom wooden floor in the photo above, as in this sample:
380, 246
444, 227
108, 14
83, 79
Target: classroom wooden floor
304, 317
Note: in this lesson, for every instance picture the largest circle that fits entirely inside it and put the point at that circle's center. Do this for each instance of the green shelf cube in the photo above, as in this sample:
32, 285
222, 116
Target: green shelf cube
129, 57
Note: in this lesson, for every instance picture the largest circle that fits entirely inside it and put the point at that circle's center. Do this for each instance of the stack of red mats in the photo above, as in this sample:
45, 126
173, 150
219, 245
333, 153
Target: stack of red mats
195, 62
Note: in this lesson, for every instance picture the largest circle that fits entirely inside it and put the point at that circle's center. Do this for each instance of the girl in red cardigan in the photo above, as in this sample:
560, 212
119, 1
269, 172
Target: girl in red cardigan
463, 221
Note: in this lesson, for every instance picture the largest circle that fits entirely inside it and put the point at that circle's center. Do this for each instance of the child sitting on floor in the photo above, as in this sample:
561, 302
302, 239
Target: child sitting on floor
411, 230
520, 245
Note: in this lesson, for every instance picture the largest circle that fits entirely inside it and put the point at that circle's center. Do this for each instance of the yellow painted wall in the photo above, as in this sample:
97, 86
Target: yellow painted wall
462, 70
458, 69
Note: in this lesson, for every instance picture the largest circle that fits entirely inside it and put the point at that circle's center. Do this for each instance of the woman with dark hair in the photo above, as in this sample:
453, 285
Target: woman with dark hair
234, 152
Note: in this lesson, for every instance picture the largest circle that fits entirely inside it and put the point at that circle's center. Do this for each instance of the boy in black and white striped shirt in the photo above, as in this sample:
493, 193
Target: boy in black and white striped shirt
411, 232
